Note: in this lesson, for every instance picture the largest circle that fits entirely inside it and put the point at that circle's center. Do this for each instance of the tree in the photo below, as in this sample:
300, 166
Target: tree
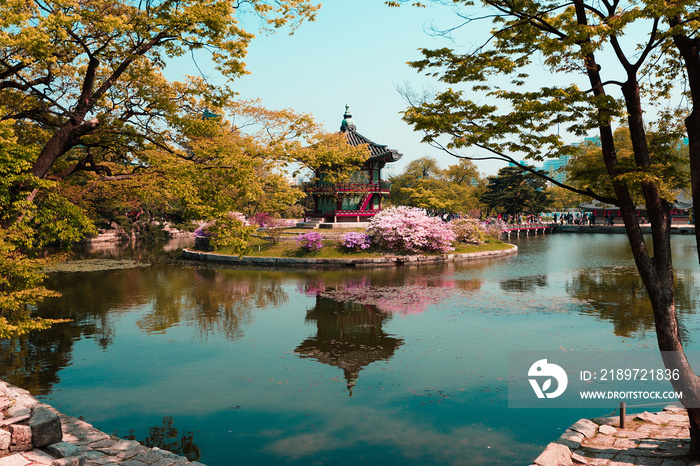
425, 185
515, 191
223, 168
88, 73
83, 96
562, 199
587, 171
652, 50
49, 218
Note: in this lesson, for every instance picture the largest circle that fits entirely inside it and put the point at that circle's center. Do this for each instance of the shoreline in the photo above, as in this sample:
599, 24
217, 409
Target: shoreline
676, 229
660, 438
35, 433
384, 261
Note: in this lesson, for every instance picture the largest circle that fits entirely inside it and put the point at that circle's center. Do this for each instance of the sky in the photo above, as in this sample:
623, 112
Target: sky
355, 53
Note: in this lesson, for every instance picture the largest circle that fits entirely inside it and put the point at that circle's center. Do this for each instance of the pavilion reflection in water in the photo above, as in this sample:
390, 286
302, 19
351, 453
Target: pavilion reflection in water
349, 337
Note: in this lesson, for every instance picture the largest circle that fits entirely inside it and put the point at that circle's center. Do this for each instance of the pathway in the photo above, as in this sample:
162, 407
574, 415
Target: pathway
648, 439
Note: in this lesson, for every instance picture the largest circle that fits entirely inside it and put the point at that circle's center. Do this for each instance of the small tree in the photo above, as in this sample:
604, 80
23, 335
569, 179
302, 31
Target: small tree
469, 230
230, 230
275, 227
516, 191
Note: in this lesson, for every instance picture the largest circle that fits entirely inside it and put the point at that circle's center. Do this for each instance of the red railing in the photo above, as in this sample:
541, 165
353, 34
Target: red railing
351, 213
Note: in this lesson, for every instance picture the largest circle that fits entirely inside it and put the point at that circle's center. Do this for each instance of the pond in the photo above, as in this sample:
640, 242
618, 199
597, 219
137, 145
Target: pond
389, 366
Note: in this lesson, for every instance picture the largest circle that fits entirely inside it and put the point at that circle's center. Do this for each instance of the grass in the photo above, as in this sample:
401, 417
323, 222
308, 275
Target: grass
333, 249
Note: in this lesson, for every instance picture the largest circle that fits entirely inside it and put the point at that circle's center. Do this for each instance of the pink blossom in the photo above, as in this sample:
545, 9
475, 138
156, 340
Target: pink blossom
410, 229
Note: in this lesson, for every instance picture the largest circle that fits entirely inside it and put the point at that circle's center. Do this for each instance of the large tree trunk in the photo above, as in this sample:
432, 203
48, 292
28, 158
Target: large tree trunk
689, 49
60, 143
656, 272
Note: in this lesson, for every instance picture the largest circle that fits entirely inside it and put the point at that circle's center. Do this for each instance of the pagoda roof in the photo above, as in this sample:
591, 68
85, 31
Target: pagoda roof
377, 151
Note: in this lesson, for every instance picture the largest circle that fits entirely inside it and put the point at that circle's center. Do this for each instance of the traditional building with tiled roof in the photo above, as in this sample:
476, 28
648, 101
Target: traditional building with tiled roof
680, 208
360, 198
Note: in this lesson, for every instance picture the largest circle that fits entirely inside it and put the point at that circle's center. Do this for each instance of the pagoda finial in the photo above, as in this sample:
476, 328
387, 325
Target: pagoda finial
347, 120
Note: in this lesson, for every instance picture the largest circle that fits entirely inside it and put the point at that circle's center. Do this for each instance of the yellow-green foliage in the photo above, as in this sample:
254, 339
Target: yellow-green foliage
20, 288
230, 231
468, 230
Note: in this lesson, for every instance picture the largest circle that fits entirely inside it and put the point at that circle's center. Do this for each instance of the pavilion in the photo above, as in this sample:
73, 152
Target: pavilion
360, 198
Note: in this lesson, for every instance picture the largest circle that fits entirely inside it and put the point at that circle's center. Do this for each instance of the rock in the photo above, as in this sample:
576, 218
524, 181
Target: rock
18, 410
70, 461
22, 447
572, 436
585, 426
5, 439
14, 460
38, 457
21, 435
674, 408
607, 430
62, 449
610, 420
651, 417
13, 420
46, 427
555, 455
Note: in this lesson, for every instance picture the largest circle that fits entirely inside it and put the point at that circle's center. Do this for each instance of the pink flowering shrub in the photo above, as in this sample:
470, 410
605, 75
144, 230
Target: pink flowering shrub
495, 227
261, 219
356, 241
410, 229
310, 241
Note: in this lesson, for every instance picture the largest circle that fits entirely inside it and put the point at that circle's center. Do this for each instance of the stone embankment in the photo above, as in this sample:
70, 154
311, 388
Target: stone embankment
676, 229
34, 433
648, 439
384, 261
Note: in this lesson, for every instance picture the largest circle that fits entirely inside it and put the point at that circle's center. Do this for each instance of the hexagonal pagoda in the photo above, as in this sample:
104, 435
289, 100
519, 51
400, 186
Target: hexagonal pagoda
360, 198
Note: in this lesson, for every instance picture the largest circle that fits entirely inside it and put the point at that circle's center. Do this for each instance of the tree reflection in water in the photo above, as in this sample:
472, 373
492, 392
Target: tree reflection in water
210, 301
213, 301
166, 437
617, 294
526, 284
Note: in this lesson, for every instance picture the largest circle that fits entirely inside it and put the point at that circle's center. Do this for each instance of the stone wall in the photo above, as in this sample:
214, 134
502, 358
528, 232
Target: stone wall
34, 433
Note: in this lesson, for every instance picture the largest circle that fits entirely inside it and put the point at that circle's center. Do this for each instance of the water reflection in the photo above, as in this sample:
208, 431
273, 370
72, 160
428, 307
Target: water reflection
410, 294
421, 349
137, 250
32, 361
526, 284
617, 295
213, 301
348, 336
167, 437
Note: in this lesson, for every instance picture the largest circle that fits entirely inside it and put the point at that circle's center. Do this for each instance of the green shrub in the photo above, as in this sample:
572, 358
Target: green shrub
468, 230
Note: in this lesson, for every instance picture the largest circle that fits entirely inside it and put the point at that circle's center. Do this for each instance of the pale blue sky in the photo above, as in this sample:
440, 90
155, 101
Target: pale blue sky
355, 53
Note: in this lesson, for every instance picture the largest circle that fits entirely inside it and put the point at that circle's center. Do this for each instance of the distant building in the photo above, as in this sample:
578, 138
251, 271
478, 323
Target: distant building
680, 209
360, 198
556, 168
